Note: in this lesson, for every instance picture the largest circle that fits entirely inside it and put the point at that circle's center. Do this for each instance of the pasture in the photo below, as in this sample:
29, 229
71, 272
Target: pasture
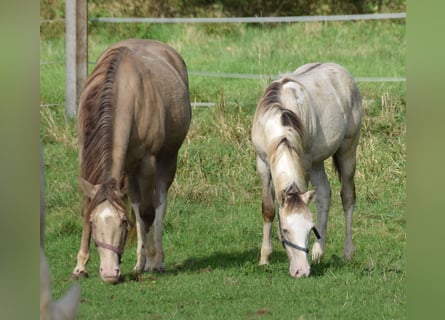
213, 224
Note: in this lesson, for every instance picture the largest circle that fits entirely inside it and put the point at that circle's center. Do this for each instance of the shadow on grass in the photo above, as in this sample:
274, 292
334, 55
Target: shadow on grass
218, 260
243, 260
248, 260
334, 263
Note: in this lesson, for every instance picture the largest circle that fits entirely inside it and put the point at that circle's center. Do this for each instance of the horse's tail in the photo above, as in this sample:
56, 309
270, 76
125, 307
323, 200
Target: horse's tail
337, 167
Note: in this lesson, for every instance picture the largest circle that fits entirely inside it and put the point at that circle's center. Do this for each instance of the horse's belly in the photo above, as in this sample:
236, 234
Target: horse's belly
324, 146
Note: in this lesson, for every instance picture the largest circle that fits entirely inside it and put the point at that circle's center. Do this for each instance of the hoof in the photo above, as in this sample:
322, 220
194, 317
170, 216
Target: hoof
159, 270
263, 262
317, 253
348, 251
138, 269
79, 274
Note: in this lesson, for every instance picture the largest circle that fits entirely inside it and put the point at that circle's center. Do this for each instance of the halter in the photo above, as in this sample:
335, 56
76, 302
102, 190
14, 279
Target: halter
118, 251
104, 245
285, 242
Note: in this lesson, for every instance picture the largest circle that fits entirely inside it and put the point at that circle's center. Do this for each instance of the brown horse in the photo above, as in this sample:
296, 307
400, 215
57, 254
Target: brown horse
134, 113
302, 119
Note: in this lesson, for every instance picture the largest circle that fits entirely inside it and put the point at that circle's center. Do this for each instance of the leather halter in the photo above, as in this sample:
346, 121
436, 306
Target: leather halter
118, 251
285, 242
104, 245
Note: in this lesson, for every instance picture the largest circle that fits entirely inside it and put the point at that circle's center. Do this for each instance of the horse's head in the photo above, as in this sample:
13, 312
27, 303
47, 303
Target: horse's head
295, 224
109, 227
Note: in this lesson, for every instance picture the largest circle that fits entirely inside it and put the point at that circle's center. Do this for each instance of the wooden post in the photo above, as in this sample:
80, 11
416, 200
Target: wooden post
76, 52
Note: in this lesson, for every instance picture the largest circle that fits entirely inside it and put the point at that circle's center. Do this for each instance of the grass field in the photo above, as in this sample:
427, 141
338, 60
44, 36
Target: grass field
213, 226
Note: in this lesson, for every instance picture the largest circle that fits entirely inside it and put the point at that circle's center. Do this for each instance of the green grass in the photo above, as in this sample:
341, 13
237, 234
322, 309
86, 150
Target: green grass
213, 226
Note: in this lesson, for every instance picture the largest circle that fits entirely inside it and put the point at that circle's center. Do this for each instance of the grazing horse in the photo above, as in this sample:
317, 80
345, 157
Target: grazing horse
134, 113
302, 119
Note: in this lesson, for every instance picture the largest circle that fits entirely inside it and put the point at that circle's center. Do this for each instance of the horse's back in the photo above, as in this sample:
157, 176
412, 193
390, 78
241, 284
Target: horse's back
326, 98
332, 82
156, 50
162, 97
137, 97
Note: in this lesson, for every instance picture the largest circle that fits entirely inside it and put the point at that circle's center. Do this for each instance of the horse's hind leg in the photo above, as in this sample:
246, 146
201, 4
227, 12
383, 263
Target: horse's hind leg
320, 181
141, 189
166, 170
268, 211
345, 160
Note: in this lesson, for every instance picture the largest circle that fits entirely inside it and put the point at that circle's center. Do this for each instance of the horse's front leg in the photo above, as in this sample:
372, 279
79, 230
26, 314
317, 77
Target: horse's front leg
84, 251
268, 210
141, 239
320, 181
155, 251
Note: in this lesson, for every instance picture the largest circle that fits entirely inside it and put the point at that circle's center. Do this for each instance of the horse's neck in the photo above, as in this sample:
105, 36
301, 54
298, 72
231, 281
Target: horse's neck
288, 169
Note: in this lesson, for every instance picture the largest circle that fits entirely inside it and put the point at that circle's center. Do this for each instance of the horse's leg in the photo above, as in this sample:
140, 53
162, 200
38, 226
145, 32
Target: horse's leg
268, 210
84, 250
320, 181
141, 193
135, 198
346, 160
166, 170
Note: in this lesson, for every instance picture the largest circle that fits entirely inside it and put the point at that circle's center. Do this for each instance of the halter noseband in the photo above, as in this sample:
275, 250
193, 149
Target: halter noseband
285, 242
104, 245
107, 246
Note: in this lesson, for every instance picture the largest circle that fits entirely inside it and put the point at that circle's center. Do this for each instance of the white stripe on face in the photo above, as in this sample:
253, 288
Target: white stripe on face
299, 227
105, 214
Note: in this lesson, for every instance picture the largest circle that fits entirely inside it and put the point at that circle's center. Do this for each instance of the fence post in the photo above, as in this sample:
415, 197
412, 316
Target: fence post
82, 44
76, 52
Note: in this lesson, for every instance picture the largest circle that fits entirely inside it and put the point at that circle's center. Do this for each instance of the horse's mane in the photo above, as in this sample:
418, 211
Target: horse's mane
292, 197
95, 124
271, 102
292, 139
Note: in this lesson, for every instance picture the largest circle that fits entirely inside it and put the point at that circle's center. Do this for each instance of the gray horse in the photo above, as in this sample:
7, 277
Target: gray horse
301, 120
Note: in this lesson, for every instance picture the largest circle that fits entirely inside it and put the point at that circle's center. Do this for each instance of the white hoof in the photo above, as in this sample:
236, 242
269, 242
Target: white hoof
263, 262
138, 268
317, 252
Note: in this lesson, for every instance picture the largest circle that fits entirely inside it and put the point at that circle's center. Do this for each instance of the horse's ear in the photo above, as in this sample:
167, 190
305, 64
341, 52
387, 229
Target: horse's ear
88, 189
307, 196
